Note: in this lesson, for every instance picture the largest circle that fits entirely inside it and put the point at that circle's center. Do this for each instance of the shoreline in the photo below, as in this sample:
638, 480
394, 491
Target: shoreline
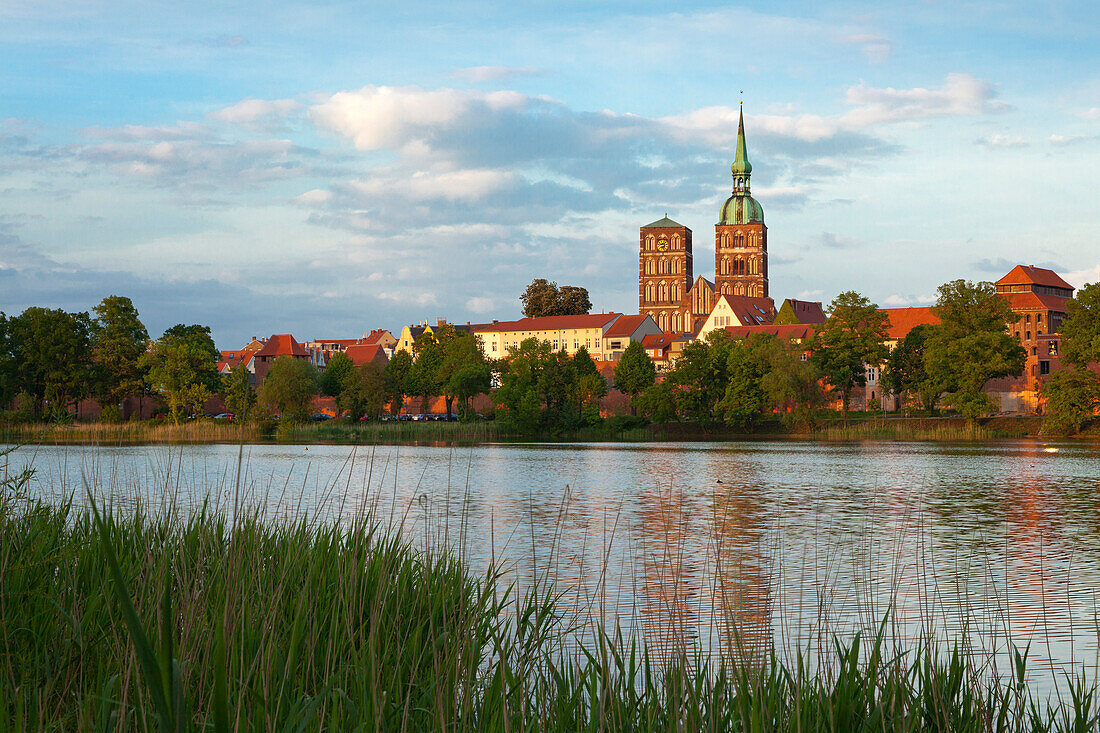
857, 428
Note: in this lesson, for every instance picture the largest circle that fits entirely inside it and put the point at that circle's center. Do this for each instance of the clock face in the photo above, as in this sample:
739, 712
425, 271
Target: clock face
662, 244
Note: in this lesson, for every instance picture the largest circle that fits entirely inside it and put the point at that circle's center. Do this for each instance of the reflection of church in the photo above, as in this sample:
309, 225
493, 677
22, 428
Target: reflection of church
666, 290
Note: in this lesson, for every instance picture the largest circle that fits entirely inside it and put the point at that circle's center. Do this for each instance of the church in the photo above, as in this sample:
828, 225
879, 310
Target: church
667, 289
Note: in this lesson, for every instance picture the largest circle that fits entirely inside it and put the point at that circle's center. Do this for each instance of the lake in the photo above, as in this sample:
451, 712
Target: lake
710, 546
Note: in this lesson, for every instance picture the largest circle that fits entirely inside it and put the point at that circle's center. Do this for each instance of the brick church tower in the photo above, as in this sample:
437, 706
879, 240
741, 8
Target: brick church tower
740, 237
664, 273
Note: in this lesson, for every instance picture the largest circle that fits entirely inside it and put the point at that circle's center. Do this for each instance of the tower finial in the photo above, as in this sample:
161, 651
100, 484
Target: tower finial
741, 166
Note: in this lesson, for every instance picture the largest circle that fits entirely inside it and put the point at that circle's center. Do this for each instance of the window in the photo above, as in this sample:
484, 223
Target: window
1027, 318
616, 344
1044, 367
494, 346
1038, 318
1052, 348
1034, 350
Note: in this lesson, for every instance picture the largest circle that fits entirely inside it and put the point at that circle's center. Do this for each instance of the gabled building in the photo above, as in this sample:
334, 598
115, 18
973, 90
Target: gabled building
1038, 297
280, 344
900, 321
738, 310
623, 331
361, 354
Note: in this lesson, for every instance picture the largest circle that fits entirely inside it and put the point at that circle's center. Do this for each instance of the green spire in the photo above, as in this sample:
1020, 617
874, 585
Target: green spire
741, 165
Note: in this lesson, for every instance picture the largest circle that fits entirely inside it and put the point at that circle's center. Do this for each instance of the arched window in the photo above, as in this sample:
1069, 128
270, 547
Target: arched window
739, 289
663, 322
725, 288
675, 241
649, 292
739, 240
649, 242
676, 321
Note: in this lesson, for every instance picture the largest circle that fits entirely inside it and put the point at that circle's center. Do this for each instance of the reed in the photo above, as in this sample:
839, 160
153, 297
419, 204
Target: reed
133, 432
113, 620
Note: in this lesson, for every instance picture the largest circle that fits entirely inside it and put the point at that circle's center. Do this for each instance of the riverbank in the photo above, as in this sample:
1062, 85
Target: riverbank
204, 623
828, 427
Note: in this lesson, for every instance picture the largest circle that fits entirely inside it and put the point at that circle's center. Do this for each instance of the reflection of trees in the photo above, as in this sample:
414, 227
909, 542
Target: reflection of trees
742, 587
669, 583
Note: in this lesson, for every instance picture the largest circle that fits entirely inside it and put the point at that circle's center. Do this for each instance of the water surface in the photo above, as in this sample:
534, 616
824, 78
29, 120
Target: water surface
718, 547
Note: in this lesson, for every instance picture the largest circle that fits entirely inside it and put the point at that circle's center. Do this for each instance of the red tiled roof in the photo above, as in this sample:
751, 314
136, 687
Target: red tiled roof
789, 331
750, 311
625, 326
374, 336
551, 323
1030, 275
807, 311
231, 359
658, 340
362, 353
282, 344
1036, 302
903, 320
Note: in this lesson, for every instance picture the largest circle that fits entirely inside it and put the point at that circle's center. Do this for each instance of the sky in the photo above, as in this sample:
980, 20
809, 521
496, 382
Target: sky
326, 168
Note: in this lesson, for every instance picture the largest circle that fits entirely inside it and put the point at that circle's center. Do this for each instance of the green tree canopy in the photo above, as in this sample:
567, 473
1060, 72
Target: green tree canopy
546, 390
971, 345
331, 381
905, 374
1073, 396
849, 340
237, 392
463, 371
119, 343
8, 380
288, 388
700, 377
363, 392
52, 351
635, 371
545, 298
1080, 342
182, 367
395, 377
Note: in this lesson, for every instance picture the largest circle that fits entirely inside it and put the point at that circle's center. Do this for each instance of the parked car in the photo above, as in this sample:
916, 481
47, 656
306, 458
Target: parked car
420, 417
225, 416
320, 417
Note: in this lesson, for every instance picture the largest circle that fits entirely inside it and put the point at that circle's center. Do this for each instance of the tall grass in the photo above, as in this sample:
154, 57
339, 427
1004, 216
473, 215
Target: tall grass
147, 621
133, 432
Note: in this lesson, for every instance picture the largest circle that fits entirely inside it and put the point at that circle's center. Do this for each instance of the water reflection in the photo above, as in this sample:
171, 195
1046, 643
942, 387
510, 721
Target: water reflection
717, 547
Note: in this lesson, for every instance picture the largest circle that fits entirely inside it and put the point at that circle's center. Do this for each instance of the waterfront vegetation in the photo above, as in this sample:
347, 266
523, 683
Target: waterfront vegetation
717, 386
125, 620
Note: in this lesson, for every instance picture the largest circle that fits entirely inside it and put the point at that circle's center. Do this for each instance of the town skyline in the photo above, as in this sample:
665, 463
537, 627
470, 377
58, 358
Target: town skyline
186, 162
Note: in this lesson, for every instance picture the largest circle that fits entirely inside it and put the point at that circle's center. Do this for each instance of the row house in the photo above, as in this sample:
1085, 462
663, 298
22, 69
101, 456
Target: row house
623, 331
410, 334
567, 333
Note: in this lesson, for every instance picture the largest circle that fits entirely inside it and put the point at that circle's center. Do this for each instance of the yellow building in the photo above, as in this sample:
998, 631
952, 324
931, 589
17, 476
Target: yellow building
561, 332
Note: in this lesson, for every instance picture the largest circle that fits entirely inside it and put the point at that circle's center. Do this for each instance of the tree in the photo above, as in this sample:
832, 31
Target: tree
331, 381
573, 301
463, 371
849, 340
971, 345
634, 372
237, 392
545, 298
119, 343
1080, 342
182, 366
424, 378
289, 387
1073, 396
8, 384
765, 373
699, 379
51, 349
395, 377
518, 395
745, 397
363, 391
657, 403
905, 374
589, 386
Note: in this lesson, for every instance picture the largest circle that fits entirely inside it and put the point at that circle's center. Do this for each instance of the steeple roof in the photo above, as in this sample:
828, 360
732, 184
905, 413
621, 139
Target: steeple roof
662, 223
741, 164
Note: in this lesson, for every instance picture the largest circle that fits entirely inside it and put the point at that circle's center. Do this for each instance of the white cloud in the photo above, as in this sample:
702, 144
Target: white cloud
452, 185
478, 74
1001, 140
1068, 139
876, 48
251, 111
481, 305
1093, 113
1080, 278
377, 118
960, 95
903, 301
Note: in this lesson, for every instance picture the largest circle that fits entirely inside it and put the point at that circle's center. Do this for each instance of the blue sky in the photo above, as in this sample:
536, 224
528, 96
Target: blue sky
329, 168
